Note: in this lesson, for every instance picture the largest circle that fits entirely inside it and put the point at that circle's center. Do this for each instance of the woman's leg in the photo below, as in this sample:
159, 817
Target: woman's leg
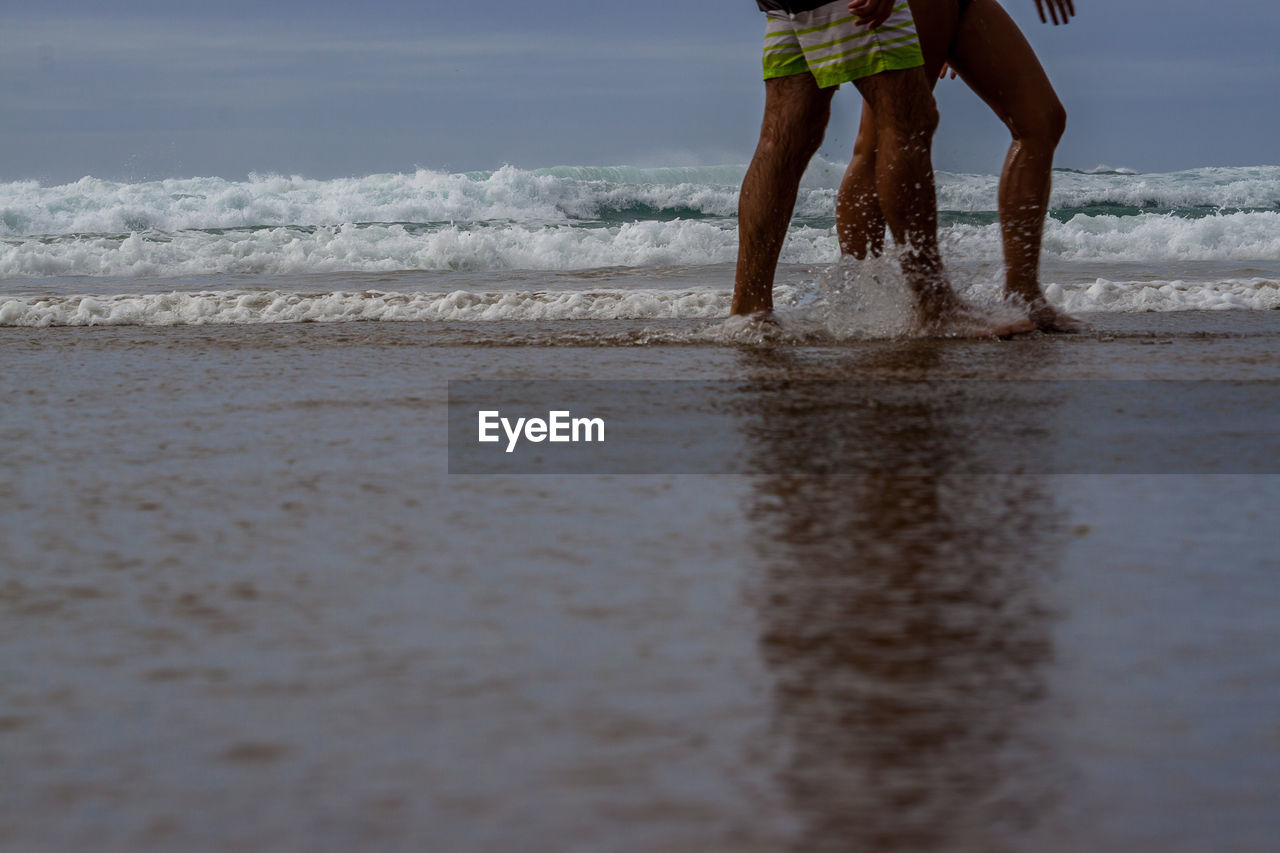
993, 57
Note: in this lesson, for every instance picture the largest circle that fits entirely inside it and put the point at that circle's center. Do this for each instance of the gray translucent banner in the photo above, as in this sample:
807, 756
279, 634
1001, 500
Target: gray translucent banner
910, 428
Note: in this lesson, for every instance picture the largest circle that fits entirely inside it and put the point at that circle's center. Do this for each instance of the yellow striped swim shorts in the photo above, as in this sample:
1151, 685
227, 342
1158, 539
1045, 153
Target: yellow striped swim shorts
829, 44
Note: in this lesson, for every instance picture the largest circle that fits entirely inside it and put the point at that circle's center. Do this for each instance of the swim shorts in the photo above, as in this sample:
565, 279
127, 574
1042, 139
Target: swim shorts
829, 44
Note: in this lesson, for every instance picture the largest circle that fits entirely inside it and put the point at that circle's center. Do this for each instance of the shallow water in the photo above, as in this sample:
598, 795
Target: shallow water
604, 243
838, 299
244, 605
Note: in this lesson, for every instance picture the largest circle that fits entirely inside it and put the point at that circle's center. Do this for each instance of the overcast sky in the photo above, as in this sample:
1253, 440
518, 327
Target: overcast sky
134, 89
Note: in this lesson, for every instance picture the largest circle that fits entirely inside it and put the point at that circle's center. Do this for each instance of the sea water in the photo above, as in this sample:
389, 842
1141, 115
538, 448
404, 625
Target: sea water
582, 244
245, 605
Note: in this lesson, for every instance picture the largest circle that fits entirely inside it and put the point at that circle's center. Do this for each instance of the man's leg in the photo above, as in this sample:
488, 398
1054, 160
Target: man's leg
795, 118
905, 117
993, 57
859, 221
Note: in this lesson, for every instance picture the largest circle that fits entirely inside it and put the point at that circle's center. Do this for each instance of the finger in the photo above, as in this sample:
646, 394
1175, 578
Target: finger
1040, 9
871, 20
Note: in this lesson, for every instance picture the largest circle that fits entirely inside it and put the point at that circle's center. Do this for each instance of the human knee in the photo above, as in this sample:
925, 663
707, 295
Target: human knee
1056, 121
901, 105
864, 146
1044, 127
918, 119
793, 133
917, 125
791, 146
928, 118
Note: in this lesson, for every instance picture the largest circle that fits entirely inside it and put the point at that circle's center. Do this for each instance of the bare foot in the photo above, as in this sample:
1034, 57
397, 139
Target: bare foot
947, 316
761, 327
1052, 321
762, 318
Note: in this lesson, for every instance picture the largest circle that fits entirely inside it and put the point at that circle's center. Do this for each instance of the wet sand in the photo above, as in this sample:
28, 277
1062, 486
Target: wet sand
243, 605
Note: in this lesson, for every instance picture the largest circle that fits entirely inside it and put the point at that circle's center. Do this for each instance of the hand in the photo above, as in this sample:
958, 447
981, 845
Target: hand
1063, 9
942, 74
871, 13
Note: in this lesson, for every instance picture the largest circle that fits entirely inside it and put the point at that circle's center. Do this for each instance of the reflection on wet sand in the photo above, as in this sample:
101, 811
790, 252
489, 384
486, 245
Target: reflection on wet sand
904, 620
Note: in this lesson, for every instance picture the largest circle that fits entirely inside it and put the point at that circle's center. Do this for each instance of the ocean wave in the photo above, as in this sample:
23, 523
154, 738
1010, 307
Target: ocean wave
1242, 237
93, 206
257, 307
580, 217
562, 195
1123, 297
248, 307
389, 247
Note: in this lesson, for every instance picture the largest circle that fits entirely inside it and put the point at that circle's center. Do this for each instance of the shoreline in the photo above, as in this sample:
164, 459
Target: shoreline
245, 605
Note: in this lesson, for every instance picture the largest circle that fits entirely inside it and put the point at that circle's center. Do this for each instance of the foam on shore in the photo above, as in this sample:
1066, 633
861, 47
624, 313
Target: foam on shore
240, 306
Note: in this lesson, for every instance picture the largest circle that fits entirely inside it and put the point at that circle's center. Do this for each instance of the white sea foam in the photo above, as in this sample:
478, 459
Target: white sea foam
575, 218
1130, 296
1214, 188
382, 248
240, 307
813, 304
1207, 189
287, 250
93, 206
1253, 236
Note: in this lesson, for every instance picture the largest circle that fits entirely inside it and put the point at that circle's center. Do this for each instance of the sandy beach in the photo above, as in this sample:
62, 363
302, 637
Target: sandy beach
382, 470
246, 607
